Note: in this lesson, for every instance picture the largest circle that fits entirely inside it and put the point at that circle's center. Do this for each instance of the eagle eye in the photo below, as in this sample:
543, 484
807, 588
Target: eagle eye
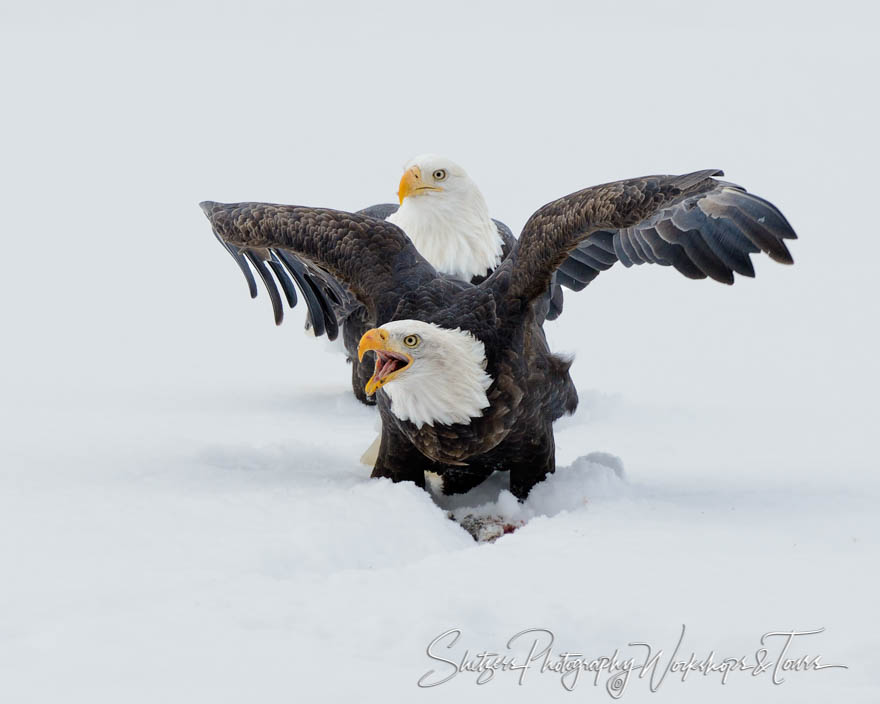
412, 340
439, 175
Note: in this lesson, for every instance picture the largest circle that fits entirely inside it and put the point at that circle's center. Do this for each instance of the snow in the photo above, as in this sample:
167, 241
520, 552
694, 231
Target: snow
183, 516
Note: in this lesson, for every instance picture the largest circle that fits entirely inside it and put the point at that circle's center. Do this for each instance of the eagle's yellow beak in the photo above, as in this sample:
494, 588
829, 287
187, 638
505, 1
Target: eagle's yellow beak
390, 362
411, 184
374, 339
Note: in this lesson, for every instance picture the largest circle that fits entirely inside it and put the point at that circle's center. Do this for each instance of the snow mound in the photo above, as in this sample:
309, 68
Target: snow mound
490, 510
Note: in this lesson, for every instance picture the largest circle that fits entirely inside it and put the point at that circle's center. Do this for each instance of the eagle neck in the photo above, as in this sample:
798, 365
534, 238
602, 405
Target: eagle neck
456, 235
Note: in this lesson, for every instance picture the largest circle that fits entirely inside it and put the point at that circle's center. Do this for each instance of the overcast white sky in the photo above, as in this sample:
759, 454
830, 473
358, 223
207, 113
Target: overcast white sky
118, 118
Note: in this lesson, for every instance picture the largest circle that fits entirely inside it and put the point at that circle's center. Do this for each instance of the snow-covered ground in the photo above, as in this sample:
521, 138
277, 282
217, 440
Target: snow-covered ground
183, 517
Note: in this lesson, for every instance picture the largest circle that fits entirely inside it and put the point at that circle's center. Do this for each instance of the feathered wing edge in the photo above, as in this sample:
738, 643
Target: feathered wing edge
372, 259
281, 241
700, 226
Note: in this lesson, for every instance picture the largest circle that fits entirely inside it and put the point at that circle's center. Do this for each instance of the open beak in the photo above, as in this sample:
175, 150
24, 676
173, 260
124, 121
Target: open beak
411, 184
389, 362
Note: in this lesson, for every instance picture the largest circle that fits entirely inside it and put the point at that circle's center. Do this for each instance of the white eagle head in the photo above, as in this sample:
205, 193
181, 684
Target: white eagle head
445, 215
431, 374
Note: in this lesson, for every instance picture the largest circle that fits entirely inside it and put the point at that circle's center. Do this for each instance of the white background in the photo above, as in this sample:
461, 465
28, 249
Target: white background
182, 513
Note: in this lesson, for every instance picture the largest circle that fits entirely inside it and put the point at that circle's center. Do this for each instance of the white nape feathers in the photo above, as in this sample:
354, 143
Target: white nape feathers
447, 380
445, 215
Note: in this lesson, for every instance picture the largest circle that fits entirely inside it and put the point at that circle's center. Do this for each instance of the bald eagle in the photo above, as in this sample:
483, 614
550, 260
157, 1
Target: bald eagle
464, 380
442, 211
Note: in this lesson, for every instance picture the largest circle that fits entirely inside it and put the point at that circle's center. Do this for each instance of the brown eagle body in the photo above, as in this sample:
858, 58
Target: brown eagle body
356, 319
701, 226
331, 308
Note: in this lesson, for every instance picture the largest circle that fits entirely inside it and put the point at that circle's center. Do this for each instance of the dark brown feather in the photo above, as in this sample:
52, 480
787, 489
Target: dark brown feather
704, 228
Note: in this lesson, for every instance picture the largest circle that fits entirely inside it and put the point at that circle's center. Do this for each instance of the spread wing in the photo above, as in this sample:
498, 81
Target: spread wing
329, 303
337, 259
699, 225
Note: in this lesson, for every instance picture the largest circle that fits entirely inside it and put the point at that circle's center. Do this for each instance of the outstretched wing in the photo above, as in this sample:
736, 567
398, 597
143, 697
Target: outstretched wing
328, 301
332, 255
700, 226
